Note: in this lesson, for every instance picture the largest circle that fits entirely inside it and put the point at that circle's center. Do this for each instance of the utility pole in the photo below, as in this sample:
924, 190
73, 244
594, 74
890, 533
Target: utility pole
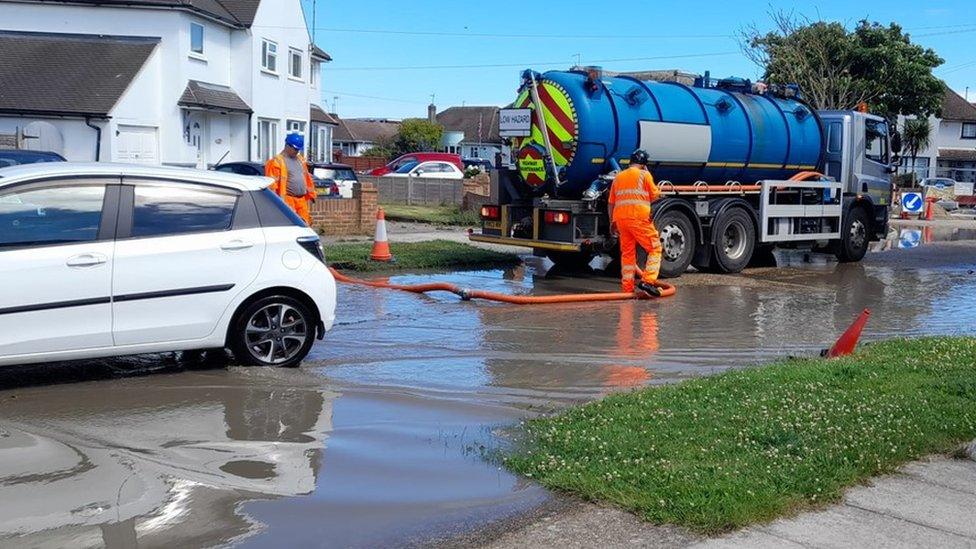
335, 104
579, 60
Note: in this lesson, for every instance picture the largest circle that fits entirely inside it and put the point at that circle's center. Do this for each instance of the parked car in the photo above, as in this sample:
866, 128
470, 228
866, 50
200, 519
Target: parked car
435, 170
241, 168
401, 161
340, 176
324, 188
485, 165
938, 182
17, 157
103, 260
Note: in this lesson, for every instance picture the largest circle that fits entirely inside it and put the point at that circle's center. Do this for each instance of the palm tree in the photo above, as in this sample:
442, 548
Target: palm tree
916, 135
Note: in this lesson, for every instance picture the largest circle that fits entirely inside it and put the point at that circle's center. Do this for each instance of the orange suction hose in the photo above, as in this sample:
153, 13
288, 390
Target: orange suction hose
667, 290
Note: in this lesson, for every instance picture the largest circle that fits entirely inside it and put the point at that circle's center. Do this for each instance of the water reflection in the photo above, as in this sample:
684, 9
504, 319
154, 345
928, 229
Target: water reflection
158, 461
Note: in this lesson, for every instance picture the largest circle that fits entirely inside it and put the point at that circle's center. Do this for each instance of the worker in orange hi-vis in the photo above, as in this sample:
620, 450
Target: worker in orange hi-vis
631, 195
292, 182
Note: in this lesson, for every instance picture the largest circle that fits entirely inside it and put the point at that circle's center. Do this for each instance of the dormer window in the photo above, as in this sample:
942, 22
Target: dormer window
196, 38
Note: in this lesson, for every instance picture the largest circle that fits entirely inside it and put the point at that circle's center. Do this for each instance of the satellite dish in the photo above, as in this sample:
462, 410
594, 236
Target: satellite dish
42, 136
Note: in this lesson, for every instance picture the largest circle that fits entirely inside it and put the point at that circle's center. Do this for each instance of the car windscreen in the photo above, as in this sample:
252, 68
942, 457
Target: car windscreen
22, 157
407, 167
336, 174
401, 162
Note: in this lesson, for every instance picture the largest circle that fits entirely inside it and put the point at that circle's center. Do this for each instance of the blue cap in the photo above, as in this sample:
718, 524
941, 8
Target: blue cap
295, 141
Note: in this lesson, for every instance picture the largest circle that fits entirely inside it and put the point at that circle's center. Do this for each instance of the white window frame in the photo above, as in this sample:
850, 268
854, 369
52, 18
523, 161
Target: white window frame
267, 140
267, 55
203, 40
971, 126
292, 54
295, 126
313, 69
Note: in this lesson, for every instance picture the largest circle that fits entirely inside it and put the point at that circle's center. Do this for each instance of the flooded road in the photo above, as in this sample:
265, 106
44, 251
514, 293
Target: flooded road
381, 438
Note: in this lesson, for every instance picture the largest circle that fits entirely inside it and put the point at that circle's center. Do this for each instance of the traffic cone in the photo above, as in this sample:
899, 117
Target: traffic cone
848, 340
381, 246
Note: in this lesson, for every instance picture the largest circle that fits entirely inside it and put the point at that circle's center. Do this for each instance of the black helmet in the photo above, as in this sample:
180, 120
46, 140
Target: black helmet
641, 157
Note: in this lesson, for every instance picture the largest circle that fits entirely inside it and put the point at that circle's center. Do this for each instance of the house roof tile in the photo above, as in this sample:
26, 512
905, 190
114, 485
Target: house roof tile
954, 107
68, 74
238, 13
214, 97
365, 130
478, 124
316, 114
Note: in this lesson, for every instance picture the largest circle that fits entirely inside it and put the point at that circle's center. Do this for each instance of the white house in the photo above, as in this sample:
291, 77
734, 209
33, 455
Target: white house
952, 143
177, 82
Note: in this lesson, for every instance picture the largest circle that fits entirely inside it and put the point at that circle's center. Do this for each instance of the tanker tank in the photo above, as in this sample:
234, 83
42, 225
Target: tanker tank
711, 133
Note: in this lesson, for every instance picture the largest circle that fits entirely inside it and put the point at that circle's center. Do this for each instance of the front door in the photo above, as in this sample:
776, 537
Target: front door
56, 259
180, 260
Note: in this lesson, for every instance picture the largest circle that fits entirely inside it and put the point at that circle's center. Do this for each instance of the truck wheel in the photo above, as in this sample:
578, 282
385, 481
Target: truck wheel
853, 237
677, 242
735, 239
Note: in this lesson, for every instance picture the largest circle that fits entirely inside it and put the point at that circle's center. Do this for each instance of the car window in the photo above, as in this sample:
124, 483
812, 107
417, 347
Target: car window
226, 169
177, 209
50, 215
406, 168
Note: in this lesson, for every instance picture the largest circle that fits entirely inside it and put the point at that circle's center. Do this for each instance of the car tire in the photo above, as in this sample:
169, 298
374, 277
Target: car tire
276, 330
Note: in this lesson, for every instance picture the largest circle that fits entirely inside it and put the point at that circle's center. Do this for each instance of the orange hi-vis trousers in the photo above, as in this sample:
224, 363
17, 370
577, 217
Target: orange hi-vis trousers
299, 204
633, 233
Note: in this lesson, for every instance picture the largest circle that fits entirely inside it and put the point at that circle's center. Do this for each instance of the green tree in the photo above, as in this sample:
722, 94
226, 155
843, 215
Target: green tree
417, 135
838, 68
916, 134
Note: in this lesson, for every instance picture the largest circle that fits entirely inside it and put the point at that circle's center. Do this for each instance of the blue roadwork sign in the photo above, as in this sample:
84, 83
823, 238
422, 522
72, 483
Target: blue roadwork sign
909, 238
912, 202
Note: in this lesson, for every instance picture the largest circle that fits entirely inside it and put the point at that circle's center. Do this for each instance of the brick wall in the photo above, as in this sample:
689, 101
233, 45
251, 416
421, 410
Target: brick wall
347, 216
361, 163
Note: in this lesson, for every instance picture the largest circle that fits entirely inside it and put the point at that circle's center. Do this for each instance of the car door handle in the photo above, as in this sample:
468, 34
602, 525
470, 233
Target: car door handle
86, 260
236, 245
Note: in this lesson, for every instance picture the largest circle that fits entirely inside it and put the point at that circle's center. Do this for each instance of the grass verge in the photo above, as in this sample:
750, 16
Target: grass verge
435, 254
436, 215
721, 452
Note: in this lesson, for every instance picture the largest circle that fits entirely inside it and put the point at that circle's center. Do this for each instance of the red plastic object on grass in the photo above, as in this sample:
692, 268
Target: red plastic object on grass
848, 340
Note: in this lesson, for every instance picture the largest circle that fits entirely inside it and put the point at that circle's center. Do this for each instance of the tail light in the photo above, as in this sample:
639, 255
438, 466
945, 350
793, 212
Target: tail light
558, 218
491, 212
312, 245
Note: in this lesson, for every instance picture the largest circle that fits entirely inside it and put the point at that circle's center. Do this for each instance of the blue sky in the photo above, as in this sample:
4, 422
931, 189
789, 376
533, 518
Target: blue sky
373, 43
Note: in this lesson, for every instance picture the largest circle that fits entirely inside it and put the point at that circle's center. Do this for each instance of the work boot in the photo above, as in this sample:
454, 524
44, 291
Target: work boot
649, 289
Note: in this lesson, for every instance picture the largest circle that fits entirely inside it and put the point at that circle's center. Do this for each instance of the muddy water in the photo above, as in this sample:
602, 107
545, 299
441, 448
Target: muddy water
381, 438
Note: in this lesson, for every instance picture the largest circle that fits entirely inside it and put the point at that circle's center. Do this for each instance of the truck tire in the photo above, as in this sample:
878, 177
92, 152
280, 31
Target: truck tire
678, 242
735, 239
854, 236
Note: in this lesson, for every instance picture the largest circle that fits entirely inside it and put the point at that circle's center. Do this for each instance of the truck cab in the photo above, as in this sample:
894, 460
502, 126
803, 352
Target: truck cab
861, 154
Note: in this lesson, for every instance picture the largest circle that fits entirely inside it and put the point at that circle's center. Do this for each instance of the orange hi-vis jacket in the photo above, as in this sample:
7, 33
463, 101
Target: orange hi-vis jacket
631, 195
277, 169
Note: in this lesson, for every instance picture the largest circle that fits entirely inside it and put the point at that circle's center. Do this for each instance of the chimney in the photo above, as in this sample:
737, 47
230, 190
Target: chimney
432, 113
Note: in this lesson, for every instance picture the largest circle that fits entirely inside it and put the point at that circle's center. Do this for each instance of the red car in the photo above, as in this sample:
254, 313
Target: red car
418, 157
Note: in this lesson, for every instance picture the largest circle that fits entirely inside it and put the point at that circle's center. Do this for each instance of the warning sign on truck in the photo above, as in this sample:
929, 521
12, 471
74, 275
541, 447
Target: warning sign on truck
515, 122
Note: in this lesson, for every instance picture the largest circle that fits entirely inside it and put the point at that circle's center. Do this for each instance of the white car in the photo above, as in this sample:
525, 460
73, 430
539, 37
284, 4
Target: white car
102, 260
431, 168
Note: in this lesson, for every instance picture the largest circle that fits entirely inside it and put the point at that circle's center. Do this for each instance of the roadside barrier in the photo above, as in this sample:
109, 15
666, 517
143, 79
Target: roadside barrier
467, 294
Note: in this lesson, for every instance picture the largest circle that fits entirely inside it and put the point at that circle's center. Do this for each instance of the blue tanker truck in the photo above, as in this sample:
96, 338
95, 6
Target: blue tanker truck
742, 168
